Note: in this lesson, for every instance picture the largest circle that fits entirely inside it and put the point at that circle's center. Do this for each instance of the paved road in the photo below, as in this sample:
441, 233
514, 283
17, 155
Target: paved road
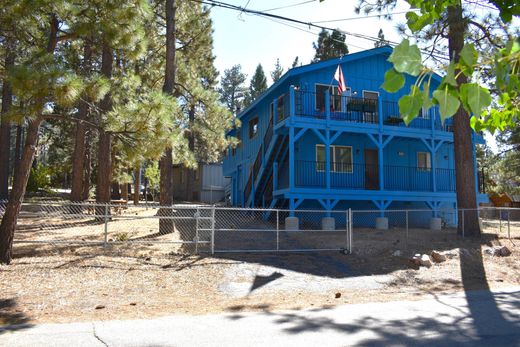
476, 319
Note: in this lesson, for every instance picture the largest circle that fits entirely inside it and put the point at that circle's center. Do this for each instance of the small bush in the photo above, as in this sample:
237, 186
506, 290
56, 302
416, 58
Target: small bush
39, 179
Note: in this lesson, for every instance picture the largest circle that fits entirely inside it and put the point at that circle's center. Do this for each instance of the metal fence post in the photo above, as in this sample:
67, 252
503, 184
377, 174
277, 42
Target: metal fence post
500, 220
406, 218
351, 228
277, 230
213, 229
508, 226
105, 241
197, 215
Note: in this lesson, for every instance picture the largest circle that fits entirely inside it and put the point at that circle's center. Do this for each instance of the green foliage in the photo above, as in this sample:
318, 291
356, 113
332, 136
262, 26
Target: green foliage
329, 45
257, 86
474, 97
232, 90
406, 58
277, 73
39, 179
393, 81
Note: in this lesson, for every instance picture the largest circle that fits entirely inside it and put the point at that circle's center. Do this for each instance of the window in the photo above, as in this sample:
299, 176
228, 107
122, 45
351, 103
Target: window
335, 100
340, 158
423, 113
253, 127
423, 161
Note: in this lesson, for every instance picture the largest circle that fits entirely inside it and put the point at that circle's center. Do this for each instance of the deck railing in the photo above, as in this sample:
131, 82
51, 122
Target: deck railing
312, 174
359, 110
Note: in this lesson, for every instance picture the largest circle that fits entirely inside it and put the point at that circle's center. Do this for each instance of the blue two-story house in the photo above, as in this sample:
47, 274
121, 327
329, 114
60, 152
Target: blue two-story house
303, 145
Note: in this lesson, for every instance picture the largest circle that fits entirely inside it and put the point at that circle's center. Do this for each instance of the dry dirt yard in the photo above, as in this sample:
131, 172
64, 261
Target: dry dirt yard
64, 283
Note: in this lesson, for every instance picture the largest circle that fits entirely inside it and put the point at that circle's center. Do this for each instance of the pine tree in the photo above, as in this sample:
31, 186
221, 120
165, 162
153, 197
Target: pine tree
232, 90
329, 45
277, 73
381, 42
257, 86
296, 62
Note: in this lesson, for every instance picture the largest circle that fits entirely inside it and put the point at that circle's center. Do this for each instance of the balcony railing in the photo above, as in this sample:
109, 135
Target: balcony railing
312, 174
359, 110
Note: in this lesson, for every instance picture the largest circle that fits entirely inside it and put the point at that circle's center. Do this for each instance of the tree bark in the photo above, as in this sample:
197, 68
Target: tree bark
124, 191
191, 145
78, 157
116, 193
137, 185
462, 136
5, 125
166, 162
104, 172
87, 167
8, 226
17, 149
10, 218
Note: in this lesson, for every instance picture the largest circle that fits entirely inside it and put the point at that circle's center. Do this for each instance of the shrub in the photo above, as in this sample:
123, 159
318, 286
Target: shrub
39, 178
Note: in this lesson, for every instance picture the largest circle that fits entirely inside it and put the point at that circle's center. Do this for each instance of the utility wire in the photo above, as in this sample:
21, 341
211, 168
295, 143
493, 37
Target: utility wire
371, 16
289, 6
215, 3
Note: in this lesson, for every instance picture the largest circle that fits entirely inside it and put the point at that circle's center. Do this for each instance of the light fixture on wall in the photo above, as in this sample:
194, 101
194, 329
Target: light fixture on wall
401, 154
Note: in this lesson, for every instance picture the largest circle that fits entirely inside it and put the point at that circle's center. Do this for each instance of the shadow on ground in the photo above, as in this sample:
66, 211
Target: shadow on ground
11, 317
475, 325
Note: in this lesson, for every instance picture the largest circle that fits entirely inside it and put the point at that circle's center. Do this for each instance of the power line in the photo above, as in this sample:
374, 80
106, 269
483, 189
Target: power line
371, 16
215, 3
289, 6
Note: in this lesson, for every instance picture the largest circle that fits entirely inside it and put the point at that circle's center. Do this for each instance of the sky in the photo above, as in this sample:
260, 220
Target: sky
249, 40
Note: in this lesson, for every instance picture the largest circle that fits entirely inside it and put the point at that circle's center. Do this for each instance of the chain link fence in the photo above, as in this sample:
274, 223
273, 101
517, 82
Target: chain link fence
211, 229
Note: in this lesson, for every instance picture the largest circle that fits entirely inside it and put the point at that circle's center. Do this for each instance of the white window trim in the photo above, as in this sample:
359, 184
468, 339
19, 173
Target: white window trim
333, 159
428, 162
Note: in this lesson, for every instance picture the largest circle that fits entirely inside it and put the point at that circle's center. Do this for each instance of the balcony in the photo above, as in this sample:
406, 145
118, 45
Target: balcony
354, 109
312, 174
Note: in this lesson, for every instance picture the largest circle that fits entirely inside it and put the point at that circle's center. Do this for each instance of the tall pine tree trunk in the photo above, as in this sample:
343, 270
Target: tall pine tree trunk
166, 162
124, 191
10, 218
87, 167
191, 145
462, 134
78, 157
104, 172
17, 148
137, 185
5, 125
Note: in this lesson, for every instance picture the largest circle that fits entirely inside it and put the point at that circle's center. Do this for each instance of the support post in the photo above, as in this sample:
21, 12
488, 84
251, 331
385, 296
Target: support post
292, 172
381, 163
197, 215
277, 230
327, 159
434, 166
508, 225
275, 112
275, 176
213, 229
292, 101
105, 239
327, 107
351, 223
406, 245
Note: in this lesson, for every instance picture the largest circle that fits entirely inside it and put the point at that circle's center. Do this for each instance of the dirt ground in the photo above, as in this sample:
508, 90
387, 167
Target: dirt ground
64, 283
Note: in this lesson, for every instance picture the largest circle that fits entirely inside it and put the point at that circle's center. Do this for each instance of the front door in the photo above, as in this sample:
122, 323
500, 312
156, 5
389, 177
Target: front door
371, 169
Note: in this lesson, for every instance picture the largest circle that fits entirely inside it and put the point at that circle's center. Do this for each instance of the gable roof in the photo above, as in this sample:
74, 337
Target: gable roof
384, 50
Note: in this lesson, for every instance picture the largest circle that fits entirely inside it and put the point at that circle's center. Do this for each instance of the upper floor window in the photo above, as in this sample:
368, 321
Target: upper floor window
340, 158
335, 100
423, 113
423, 161
253, 127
